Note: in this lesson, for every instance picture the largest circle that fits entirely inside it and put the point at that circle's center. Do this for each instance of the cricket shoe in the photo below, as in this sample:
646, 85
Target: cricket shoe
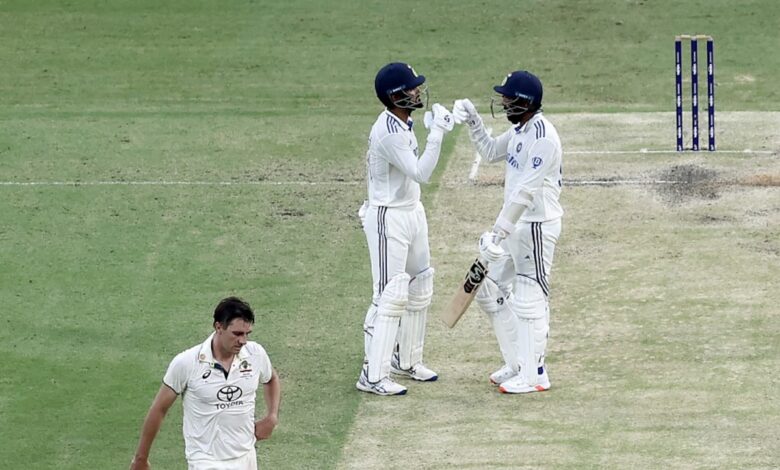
502, 375
417, 372
517, 384
384, 387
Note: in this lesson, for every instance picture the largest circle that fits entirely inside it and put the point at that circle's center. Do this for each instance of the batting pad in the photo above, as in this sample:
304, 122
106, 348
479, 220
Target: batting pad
493, 302
368, 328
411, 333
392, 304
530, 307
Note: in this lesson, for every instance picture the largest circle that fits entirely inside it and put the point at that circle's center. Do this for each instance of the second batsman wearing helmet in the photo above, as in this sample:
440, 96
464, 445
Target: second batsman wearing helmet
396, 230
519, 249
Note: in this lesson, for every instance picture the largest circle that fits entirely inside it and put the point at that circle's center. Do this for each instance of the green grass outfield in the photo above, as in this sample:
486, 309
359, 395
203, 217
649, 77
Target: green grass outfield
256, 114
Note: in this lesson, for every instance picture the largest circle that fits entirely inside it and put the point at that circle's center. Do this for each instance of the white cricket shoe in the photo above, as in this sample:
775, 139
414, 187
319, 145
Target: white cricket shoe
384, 387
502, 375
517, 384
417, 372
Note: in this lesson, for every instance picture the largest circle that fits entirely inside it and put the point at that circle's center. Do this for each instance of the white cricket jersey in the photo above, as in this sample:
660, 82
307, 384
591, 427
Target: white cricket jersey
219, 411
534, 164
394, 172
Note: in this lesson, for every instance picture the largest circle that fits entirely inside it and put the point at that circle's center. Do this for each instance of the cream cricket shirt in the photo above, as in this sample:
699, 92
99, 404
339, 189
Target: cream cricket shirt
394, 171
219, 411
534, 161
534, 164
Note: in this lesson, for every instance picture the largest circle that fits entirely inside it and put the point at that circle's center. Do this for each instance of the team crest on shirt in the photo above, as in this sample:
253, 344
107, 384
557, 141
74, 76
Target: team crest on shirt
245, 368
536, 162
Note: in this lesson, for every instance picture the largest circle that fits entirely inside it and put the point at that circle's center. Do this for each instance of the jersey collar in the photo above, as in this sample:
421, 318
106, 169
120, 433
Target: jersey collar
524, 127
206, 354
408, 124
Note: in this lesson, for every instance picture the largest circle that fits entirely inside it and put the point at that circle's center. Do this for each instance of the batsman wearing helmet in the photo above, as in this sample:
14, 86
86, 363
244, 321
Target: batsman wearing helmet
519, 249
396, 230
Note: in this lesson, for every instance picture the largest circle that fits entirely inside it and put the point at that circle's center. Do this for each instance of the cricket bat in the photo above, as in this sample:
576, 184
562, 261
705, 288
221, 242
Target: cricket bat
465, 294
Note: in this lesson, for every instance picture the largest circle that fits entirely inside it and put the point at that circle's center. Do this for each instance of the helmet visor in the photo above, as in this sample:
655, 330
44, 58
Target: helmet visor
415, 98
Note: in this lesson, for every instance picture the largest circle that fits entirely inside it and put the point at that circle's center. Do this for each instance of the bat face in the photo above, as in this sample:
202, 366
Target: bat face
465, 294
475, 276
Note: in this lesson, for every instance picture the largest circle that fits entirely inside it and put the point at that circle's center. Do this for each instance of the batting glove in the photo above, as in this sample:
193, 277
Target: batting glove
489, 250
465, 112
439, 118
362, 213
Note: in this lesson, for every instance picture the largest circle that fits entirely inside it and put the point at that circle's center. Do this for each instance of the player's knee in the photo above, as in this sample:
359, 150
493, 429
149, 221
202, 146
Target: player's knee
529, 302
395, 296
490, 297
421, 290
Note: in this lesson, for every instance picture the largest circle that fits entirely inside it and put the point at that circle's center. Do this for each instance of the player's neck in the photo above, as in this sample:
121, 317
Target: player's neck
402, 113
223, 357
528, 115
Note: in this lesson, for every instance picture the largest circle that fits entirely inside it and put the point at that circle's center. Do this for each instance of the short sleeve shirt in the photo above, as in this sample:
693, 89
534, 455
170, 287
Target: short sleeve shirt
219, 407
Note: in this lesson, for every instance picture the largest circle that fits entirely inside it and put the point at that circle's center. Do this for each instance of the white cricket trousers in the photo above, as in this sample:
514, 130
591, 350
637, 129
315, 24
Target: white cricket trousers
397, 243
245, 462
531, 248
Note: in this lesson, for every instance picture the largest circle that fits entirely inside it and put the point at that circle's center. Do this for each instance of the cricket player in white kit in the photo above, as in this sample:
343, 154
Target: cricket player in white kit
519, 250
397, 232
218, 381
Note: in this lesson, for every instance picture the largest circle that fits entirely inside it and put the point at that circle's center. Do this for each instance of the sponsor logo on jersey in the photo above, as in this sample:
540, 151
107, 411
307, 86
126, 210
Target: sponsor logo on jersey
512, 161
536, 162
519, 147
229, 393
206, 374
229, 396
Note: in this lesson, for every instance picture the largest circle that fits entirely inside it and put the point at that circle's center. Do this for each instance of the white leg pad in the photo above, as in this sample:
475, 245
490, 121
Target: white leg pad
541, 333
411, 334
368, 329
529, 305
494, 302
392, 304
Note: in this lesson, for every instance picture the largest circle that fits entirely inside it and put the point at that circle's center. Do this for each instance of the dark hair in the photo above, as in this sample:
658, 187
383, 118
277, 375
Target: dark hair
231, 308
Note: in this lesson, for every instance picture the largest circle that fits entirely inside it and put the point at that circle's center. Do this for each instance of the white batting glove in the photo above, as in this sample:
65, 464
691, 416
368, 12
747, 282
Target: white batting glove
362, 213
439, 118
489, 250
465, 112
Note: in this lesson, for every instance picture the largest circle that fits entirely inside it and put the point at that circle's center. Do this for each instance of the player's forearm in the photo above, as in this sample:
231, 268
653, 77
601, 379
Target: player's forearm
149, 431
484, 143
272, 394
430, 157
511, 212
